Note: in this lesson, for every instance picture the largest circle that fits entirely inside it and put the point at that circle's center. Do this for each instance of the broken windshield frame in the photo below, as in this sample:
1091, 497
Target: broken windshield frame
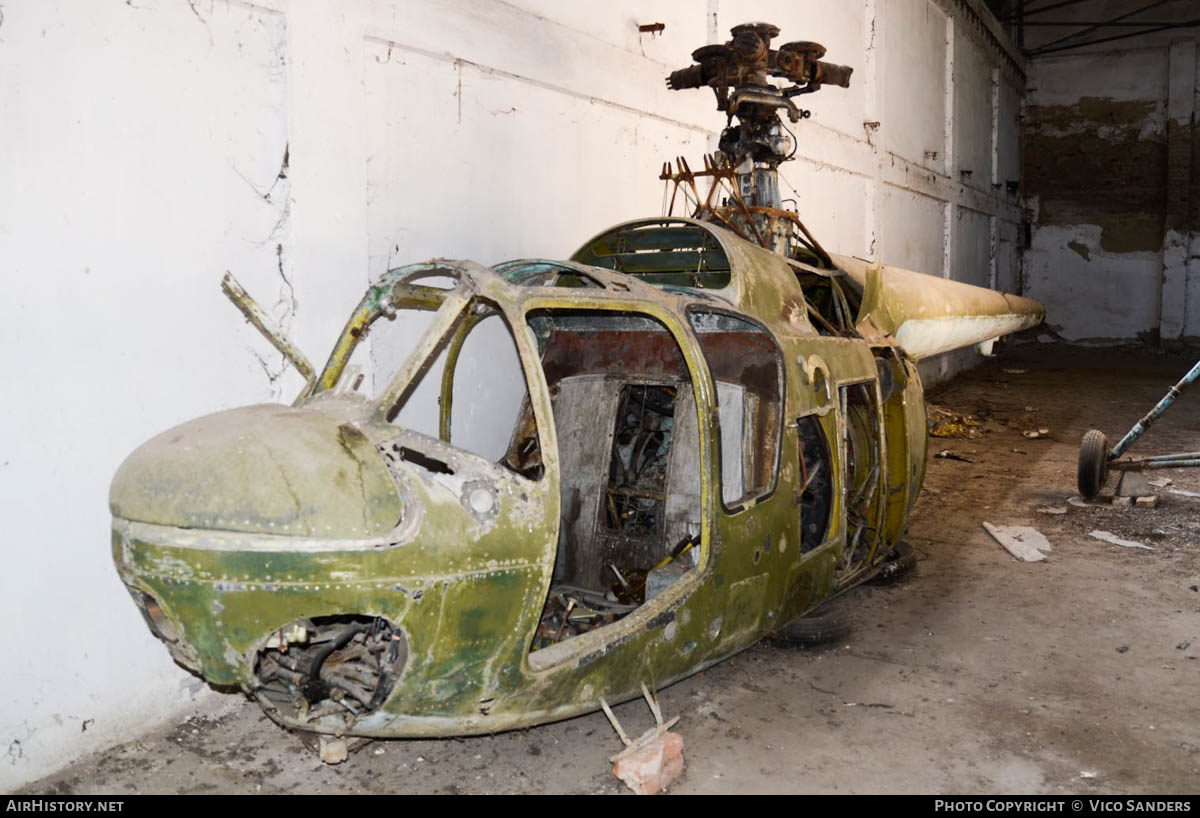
394, 290
461, 294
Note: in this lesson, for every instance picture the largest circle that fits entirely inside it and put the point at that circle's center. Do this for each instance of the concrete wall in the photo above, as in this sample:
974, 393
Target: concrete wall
1112, 178
147, 147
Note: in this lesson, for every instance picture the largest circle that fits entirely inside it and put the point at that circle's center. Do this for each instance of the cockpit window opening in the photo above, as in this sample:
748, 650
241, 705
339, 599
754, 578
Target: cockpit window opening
546, 273
470, 391
829, 306
663, 252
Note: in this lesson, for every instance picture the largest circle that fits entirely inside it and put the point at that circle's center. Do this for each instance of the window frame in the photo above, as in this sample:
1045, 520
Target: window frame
747, 500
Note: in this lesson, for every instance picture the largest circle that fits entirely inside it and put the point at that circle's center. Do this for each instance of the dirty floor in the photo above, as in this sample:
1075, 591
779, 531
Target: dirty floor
980, 674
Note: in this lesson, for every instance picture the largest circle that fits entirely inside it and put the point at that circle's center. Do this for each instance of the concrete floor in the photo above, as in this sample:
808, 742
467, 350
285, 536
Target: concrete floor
980, 674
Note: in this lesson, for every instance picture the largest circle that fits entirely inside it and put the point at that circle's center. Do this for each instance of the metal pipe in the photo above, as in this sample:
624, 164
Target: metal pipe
1184, 456
1099, 24
1188, 24
1022, 11
1142, 425
1088, 30
1151, 463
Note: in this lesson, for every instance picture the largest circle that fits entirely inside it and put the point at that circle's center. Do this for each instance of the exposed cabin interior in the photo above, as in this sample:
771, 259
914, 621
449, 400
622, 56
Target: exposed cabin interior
625, 415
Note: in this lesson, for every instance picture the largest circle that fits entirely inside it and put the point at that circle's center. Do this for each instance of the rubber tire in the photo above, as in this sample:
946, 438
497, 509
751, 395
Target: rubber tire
1093, 463
897, 567
821, 627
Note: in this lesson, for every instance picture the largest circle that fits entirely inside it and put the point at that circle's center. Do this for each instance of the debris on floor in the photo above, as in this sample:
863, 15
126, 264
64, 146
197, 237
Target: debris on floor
946, 454
1183, 493
945, 423
652, 762
1022, 541
1109, 537
1051, 510
1036, 434
1105, 501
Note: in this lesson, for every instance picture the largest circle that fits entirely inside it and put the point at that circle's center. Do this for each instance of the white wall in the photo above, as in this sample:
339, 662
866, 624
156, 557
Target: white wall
142, 155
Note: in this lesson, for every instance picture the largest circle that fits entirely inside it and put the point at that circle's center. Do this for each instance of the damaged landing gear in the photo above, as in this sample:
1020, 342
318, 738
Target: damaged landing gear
1093, 464
1096, 460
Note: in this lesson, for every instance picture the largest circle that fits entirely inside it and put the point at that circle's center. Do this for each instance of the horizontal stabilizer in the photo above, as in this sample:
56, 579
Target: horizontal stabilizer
929, 315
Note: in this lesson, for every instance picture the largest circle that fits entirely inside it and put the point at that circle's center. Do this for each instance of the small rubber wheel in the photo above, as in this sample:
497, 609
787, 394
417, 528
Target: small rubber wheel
821, 627
897, 567
1093, 463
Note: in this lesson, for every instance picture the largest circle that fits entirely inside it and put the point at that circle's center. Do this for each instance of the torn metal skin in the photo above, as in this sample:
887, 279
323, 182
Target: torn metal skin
735, 433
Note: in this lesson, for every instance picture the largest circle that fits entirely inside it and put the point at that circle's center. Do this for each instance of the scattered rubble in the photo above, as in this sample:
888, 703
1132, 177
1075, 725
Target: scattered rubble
652, 762
946, 423
1105, 501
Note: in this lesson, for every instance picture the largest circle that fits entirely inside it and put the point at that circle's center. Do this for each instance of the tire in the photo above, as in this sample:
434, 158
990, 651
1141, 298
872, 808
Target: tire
897, 567
1093, 463
819, 628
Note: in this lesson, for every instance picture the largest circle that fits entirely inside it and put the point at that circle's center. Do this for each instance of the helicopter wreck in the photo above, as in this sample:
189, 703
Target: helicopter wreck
719, 426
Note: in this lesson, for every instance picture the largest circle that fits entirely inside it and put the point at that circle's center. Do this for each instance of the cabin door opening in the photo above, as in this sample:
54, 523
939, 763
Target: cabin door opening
864, 473
816, 481
629, 461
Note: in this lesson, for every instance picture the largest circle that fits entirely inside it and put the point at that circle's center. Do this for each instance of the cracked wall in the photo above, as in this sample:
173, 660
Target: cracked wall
141, 152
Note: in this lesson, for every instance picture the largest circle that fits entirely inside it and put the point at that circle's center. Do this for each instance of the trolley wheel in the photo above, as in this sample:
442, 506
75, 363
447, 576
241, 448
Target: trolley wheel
1093, 463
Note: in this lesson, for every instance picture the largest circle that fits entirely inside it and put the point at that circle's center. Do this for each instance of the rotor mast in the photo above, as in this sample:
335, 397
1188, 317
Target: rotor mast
750, 151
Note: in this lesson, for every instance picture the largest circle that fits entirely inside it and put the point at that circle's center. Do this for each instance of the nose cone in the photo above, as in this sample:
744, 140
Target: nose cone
265, 469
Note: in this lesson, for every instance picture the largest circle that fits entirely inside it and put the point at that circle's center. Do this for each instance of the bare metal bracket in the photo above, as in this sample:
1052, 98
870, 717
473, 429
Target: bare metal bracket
263, 323
646, 738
